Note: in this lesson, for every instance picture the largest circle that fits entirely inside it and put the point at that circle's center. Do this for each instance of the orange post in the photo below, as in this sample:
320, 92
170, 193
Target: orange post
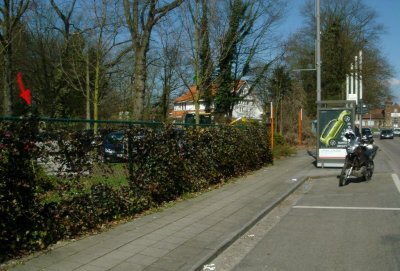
272, 126
300, 126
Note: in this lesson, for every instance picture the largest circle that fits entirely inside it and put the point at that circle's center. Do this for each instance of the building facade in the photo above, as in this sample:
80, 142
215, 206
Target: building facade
388, 116
392, 114
248, 106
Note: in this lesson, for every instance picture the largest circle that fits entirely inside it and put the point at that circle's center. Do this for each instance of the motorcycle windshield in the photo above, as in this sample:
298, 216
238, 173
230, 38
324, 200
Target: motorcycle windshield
354, 141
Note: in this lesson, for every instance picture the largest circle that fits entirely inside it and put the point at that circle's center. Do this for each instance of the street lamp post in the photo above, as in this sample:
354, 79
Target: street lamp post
318, 51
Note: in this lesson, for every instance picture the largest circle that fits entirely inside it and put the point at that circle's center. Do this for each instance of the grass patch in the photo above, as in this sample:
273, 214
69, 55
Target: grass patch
283, 151
113, 175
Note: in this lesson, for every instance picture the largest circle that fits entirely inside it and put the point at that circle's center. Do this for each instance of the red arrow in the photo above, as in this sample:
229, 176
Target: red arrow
25, 93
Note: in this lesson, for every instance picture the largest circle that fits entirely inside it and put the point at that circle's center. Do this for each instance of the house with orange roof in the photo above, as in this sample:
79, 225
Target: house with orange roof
388, 116
392, 114
248, 107
374, 118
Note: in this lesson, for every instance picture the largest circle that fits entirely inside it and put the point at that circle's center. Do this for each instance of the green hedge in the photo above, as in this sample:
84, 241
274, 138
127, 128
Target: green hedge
170, 163
165, 164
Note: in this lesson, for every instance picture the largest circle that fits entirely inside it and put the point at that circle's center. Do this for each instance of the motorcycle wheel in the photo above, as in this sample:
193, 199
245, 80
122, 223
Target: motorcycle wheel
370, 170
343, 175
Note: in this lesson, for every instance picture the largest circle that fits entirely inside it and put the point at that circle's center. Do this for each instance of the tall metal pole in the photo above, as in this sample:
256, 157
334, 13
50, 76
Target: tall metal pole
357, 90
360, 90
318, 49
360, 74
318, 67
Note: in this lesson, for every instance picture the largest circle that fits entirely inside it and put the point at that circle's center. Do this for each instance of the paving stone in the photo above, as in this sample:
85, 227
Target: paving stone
142, 259
169, 264
179, 237
65, 265
88, 267
154, 252
128, 266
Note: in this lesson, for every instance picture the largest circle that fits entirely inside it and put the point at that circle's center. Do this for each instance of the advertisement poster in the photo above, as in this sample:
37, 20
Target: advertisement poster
333, 124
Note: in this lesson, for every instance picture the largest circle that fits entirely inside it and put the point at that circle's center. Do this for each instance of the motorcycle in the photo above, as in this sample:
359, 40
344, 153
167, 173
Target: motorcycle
359, 159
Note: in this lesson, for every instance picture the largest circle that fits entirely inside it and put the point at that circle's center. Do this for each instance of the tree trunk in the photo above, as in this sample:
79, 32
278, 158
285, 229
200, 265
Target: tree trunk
10, 16
141, 19
281, 117
276, 110
197, 105
139, 85
7, 80
165, 101
87, 92
96, 96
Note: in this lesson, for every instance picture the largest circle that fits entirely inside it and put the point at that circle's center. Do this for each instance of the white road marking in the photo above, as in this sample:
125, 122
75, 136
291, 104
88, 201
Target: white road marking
396, 181
346, 208
209, 267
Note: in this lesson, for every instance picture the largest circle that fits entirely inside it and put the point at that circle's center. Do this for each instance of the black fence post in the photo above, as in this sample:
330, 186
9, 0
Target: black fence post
130, 159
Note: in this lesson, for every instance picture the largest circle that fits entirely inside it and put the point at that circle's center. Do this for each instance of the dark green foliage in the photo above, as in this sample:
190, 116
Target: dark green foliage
278, 139
172, 162
165, 164
241, 21
205, 55
346, 28
72, 217
280, 83
17, 184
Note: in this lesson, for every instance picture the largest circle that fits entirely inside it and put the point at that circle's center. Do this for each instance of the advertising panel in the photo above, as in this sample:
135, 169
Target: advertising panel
333, 124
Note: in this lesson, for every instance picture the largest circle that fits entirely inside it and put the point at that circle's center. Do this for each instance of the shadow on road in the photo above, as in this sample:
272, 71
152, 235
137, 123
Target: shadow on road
354, 180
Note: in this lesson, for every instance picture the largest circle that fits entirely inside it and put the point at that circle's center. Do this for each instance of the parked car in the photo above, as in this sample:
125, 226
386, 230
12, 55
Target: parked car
367, 135
396, 131
205, 119
114, 148
386, 133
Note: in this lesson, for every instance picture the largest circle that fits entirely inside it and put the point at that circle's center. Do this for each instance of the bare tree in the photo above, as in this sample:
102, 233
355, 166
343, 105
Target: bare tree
65, 18
11, 12
280, 86
170, 59
198, 68
346, 28
103, 42
91, 51
141, 17
71, 47
245, 36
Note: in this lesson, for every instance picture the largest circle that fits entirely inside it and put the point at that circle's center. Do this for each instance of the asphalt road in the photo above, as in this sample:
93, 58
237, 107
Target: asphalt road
326, 227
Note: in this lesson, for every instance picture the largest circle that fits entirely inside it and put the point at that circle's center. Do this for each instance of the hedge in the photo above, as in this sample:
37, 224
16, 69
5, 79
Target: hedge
166, 163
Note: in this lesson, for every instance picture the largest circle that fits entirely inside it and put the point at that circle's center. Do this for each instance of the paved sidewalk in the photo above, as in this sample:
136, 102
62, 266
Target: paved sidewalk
189, 234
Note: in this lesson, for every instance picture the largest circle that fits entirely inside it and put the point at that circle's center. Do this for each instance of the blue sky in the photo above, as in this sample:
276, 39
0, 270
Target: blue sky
388, 15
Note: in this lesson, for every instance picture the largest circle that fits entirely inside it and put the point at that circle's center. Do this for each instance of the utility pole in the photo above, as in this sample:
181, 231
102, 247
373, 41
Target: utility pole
318, 51
318, 68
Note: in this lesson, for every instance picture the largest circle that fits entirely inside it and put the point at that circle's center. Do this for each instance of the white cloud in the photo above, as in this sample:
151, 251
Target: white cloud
394, 82
395, 86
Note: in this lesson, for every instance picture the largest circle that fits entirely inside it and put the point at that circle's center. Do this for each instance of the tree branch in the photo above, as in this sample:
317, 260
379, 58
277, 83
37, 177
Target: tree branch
21, 10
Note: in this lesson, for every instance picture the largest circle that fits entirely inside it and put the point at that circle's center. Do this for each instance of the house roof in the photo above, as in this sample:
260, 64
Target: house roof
374, 114
188, 96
